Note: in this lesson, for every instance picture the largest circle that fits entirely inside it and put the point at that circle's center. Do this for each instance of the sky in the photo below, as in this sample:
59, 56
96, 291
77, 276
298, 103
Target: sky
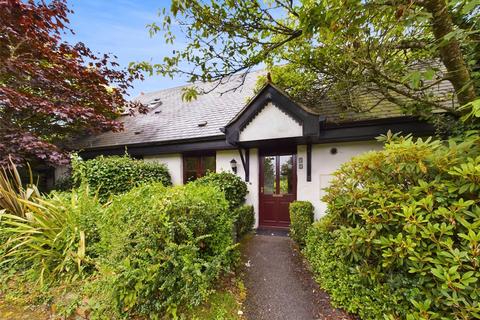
119, 27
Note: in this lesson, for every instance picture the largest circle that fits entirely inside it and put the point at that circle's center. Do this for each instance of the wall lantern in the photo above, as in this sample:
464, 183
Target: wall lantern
233, 165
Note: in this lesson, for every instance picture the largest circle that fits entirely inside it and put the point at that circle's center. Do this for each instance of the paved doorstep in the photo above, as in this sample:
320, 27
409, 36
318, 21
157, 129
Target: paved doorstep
279, 287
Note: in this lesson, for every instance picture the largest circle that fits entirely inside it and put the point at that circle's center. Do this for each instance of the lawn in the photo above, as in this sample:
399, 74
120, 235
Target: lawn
225, 304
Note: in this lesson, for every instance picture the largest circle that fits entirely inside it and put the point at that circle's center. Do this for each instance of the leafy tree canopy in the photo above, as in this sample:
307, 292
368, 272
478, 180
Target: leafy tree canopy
51, 91
397, 51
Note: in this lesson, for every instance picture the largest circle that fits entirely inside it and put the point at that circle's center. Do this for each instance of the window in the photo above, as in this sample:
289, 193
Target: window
197, 166
278, 171
269, 178
286, 174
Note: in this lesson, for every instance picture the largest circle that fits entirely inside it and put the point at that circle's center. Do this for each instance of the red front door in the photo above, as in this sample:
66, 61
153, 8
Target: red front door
278, 187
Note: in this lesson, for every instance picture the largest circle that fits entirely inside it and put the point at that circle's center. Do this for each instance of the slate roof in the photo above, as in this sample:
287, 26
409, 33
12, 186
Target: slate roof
175, 119
369, 105
170, 119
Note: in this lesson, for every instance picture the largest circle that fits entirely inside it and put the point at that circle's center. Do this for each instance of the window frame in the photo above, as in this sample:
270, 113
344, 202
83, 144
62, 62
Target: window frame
200, 164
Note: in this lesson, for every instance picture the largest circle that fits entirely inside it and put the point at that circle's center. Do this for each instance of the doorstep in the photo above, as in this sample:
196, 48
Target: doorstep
277, 232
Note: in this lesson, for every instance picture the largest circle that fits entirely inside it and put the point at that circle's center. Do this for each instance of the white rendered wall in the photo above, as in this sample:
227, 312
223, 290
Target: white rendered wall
223, 164
174, 163
271, 123
323, 165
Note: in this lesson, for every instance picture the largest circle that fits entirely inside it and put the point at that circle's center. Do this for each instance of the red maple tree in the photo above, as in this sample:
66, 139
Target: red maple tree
50, 91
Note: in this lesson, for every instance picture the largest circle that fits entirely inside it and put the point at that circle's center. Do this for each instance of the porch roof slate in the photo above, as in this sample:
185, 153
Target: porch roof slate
172, 119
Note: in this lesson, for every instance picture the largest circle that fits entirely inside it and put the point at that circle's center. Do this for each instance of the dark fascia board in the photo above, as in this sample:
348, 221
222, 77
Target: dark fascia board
350, 132
309, 121
187, 145
370, 129
153, 143
275, 144
370, 122
347, 132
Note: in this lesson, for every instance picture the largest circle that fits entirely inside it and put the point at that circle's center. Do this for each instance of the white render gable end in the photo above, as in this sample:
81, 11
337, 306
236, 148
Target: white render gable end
272, 116
271, 123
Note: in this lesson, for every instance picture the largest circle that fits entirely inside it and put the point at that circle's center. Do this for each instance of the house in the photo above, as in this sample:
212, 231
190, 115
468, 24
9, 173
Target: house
283, 150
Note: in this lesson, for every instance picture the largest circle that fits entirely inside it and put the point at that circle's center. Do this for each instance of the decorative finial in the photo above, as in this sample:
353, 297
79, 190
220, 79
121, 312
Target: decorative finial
269, 77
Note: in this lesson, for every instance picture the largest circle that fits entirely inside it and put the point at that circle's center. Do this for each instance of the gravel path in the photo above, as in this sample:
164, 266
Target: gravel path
279, 286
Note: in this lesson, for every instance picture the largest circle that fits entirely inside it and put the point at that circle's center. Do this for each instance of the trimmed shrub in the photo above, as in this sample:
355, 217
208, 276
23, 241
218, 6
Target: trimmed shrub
403, 224
165, 247
116, 175
244, 220
301, 218
233, 186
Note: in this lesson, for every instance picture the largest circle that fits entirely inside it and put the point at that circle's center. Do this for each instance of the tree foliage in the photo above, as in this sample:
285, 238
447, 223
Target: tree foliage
395, 51
51, 91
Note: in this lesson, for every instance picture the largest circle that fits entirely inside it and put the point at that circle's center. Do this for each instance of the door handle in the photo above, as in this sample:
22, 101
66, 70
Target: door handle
277, 195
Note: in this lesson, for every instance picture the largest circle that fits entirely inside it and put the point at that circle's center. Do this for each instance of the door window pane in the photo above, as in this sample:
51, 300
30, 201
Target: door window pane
286, 174
269, 178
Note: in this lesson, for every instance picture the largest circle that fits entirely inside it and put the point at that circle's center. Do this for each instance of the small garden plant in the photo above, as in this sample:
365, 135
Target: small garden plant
301, 218
244, 220
56, 238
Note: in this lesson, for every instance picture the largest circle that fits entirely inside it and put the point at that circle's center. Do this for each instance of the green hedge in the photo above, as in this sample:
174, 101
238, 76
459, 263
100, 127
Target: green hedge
244, 220
401, 237
301, 218
116, 175
164, 247
233, 186
347, 287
